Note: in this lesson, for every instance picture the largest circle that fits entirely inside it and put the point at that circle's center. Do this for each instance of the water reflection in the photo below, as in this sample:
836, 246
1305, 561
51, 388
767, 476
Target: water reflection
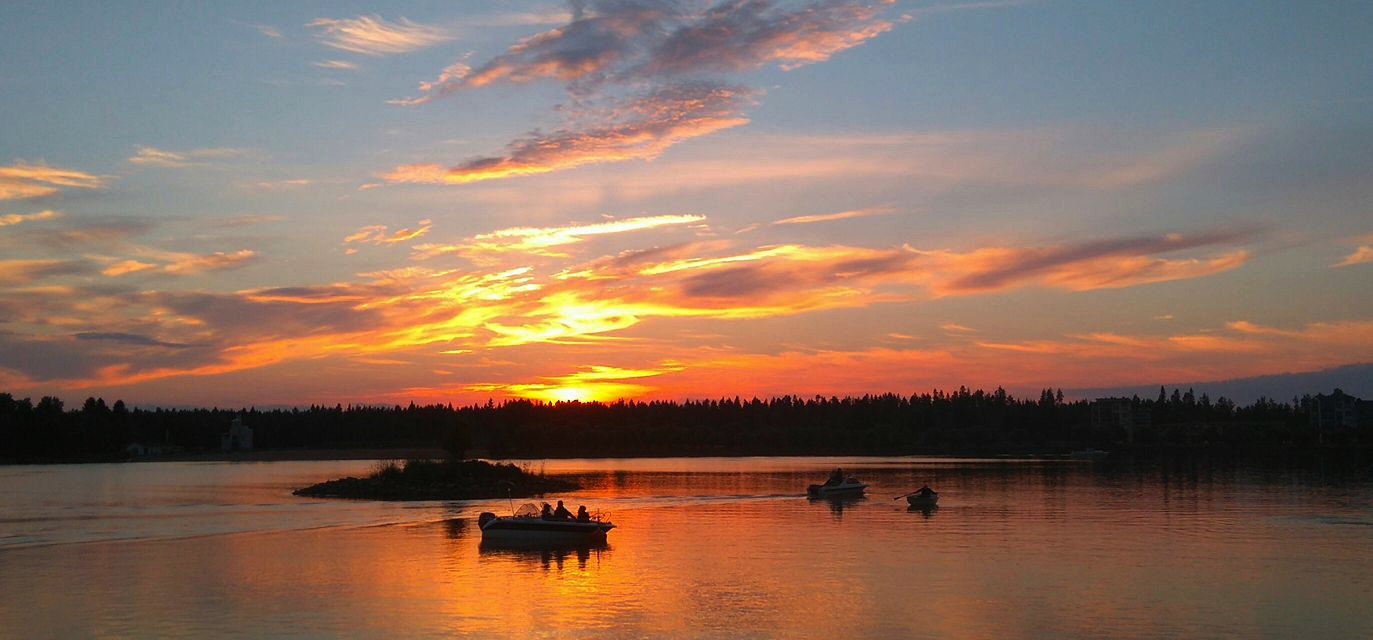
456, 528
1027, 550
838, 503
924, 510
546, 555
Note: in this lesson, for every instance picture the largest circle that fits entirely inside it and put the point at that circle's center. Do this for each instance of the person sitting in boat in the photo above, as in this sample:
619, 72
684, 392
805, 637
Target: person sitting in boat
561, 513
582, 515
836, 477
547, 512
925, 491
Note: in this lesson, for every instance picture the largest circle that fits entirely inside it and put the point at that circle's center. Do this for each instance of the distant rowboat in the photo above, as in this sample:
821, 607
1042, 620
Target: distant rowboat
923, 501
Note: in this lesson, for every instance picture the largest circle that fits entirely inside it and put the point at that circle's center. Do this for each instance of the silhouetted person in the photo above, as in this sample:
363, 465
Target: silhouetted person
547, 512
561, 513
925, 491
836, 477
582, 515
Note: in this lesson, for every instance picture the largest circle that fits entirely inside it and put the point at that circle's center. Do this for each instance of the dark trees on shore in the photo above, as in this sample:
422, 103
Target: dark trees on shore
963, 421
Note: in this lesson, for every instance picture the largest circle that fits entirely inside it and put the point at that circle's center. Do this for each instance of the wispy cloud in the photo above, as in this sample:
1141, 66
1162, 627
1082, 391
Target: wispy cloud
620, 41
269, 31
378, 234
342, 65
545, 240
280, 185
641, 128
11, 219
126, 338
83, 234
154, 157
842, 215
733, 36
22, 181
90, 330
373, 36
243, 220
668, 46
1097, 264
1361, 255
548, 16
179, 263
931, 162
964, 6
25, 272
217, 261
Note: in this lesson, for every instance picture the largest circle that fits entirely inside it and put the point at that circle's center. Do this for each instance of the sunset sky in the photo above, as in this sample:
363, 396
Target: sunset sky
287, 203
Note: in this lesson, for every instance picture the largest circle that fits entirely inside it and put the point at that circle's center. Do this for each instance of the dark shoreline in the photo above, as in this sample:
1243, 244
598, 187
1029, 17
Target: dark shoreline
1322, 452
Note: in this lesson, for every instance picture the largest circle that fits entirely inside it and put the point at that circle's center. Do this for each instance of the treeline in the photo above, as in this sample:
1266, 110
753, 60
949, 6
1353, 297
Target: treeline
963, 421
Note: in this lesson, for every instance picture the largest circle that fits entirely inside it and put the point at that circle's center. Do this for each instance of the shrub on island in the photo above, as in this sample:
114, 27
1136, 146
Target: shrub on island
440, 480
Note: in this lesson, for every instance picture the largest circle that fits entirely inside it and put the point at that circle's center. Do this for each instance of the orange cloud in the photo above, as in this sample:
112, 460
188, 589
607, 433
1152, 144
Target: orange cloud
420, 314
23, 181
217, 261
181, 264
640, 129
126, 267
542, 240
11, 219
1100, 264
1362, 255
377, 234
22, 272
373, 36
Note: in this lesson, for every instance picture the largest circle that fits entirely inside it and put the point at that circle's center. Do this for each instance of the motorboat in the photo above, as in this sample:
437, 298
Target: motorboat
528, 526
848, 486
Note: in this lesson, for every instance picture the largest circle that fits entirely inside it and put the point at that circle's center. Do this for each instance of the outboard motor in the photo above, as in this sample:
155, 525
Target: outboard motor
485, 517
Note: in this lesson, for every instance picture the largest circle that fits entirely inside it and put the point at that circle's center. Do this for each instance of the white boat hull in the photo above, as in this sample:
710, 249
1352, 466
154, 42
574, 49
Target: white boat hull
518, 530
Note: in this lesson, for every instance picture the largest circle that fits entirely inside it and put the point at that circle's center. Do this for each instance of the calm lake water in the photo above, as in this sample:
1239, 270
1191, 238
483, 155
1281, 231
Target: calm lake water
717, 547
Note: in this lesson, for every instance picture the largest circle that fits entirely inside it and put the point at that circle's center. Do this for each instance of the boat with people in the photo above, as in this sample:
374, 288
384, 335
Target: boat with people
530, 524
917, 500
838, 484
922, 498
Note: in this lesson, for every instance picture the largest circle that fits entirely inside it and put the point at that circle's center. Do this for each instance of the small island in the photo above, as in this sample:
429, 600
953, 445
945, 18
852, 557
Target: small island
440, 480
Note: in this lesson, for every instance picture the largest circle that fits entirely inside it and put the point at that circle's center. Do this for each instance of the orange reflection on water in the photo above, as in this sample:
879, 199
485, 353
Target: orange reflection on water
729, 547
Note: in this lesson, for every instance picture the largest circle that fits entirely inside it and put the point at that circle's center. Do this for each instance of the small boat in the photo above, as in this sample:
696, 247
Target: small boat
527, 526
923, 501
848, 486
1089, 454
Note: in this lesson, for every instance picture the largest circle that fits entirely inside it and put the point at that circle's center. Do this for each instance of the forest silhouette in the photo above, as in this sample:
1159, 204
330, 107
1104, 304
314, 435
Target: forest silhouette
958, 422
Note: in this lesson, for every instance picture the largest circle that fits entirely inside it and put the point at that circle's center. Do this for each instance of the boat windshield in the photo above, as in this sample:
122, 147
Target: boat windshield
527, 510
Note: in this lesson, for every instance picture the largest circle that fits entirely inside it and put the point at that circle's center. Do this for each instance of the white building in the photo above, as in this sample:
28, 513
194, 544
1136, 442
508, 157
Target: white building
239, 437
